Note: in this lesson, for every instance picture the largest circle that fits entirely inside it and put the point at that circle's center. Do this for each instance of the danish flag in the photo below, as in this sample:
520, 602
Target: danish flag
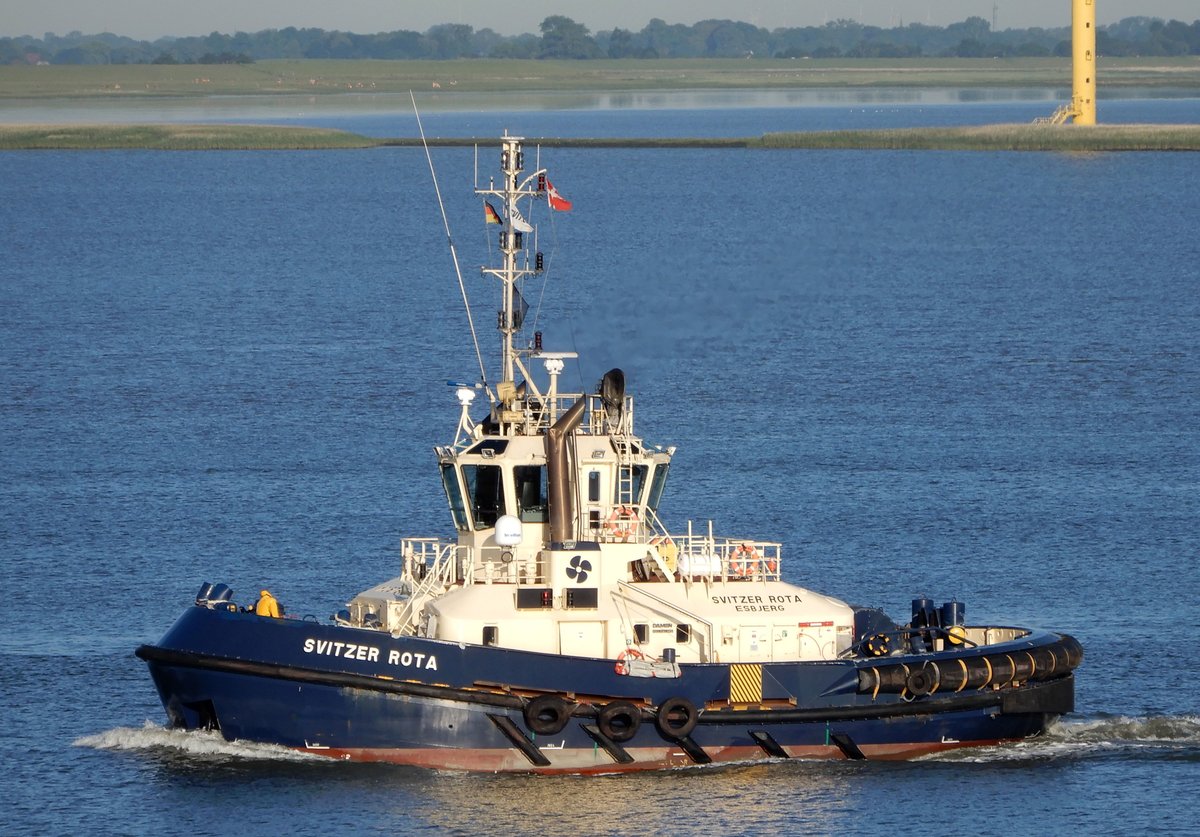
557, 201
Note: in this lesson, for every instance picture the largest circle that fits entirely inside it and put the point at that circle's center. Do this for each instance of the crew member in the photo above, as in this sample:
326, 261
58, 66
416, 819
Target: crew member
267, 606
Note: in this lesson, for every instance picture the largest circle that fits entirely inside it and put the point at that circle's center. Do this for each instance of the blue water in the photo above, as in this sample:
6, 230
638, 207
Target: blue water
715, 115
953, 374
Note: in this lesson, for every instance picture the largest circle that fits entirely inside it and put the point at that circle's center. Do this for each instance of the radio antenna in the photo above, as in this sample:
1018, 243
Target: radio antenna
453, 253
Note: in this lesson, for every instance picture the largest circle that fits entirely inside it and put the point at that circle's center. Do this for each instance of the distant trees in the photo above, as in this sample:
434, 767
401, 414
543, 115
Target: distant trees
563, 38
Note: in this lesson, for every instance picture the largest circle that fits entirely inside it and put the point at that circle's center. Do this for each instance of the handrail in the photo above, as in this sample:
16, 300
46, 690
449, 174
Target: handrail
738, 558
440, 575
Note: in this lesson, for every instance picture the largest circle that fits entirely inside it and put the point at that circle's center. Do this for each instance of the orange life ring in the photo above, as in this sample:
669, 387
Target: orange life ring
627, 654
622, 523
744, 560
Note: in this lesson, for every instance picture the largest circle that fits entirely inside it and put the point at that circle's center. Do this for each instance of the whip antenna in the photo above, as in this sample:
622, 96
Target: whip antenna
453, 253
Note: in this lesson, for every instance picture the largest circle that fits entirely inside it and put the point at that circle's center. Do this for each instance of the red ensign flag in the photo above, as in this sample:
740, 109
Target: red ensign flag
557, 201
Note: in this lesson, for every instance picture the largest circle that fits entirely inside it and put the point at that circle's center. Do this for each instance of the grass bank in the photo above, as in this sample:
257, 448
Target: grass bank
447, 78
1002, 138
264, 137
177, 137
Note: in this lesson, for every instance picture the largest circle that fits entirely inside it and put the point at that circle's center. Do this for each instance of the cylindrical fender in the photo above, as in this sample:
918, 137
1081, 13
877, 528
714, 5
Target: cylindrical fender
619, 720
923, 681
978, 670
547, 714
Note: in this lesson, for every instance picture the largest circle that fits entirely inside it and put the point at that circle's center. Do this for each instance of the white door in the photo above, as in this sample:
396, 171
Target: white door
785, 644
581, 639
755, 644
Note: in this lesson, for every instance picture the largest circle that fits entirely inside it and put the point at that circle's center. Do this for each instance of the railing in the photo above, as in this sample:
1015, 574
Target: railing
430, 567
697, 555
489, 565
1061, 115
703, 556
535, 414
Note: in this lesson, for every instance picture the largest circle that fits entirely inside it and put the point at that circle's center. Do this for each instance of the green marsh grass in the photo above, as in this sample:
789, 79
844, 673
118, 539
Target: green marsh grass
1003, 138
445, 78
176, 137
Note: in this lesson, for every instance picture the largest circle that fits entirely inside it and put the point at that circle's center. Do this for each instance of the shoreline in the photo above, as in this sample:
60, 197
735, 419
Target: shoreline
222, 137
331, 77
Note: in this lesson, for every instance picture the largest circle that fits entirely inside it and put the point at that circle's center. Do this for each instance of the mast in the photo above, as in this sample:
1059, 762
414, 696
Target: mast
512, 163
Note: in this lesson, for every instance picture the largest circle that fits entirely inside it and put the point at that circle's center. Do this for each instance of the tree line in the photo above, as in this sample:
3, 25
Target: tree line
563, 38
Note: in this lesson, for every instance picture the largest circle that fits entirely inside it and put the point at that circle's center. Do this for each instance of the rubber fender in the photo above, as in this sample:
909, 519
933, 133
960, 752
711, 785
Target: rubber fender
676, 718
547, 714
619, 720
923, 680
976, 672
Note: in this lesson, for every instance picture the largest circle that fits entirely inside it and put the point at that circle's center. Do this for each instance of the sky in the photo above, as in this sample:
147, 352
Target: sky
151, 19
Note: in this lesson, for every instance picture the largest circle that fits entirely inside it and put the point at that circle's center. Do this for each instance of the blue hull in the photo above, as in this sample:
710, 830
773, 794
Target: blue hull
364, 695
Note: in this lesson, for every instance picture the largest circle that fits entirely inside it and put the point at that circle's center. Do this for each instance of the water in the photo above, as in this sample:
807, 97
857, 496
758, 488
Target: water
647, 113
953, 374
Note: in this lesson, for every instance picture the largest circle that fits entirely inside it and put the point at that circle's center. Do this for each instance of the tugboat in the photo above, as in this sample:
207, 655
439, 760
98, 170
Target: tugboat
564, 628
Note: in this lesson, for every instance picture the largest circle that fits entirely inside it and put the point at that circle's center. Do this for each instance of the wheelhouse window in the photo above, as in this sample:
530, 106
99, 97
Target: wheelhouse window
531, 492
454, 495
639, 473
657, 485
485, 491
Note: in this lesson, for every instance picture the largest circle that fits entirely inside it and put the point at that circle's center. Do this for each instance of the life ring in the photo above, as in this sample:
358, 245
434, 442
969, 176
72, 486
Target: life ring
676, 718
877, 645
619, 720
744, 560
622, 523
547, 714
628, 654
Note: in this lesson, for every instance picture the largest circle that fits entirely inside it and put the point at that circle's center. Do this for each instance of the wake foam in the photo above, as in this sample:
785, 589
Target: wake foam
1159, 735
1154, 736
1184, 729
192, 743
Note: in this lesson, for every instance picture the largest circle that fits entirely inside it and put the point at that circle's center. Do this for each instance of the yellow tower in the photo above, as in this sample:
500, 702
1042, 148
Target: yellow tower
1083, 62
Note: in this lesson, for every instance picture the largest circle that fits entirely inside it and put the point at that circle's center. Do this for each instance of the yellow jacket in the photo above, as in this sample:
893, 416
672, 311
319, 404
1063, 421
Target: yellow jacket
267, 606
